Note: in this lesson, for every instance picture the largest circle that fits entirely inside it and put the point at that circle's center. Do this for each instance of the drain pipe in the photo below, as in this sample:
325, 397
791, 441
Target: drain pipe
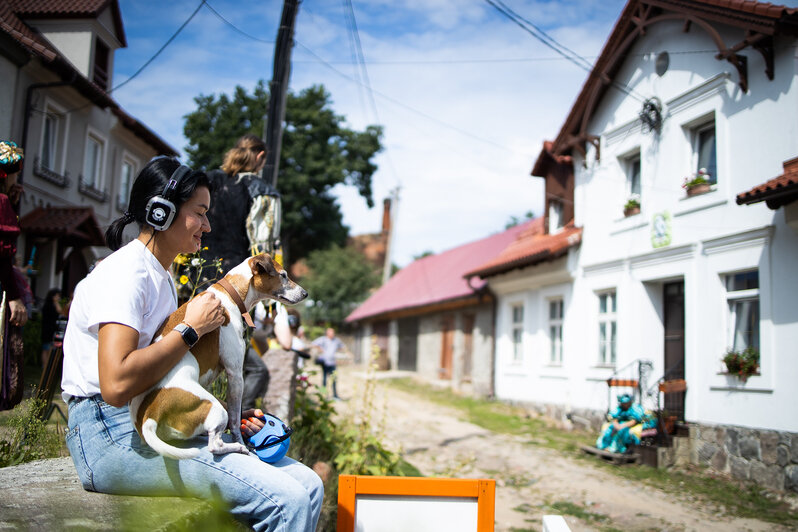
29, 109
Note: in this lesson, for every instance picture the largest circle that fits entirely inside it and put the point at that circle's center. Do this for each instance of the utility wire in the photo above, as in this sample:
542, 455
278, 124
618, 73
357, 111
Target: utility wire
556, 46
162, 48
146, 63
236, 28
361, 62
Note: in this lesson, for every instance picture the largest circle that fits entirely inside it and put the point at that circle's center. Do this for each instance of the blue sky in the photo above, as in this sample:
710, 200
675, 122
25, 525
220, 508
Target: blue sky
465, 96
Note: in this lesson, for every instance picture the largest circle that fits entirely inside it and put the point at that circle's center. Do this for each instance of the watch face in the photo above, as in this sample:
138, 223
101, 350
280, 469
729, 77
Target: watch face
189, 335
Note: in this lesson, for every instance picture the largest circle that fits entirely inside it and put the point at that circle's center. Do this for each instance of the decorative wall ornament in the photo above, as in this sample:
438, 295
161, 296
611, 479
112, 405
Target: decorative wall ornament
651, 115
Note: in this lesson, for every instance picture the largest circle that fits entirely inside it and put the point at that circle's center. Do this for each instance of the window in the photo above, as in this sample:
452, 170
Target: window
101, 56
742, 294
518, 333
555, 330
49, 140
633, 174
705, 151
125, 180
92, 164
555, 216
608, 328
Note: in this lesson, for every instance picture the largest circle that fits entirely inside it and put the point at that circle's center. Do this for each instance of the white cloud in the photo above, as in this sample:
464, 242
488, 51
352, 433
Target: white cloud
461, 137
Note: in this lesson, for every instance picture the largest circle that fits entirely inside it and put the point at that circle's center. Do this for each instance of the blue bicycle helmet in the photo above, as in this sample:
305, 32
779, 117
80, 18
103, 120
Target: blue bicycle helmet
272, 441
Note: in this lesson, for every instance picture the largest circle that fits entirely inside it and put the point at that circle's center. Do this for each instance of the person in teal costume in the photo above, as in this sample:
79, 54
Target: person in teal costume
616, 435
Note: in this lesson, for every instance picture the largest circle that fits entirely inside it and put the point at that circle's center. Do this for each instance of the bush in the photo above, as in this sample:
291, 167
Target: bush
30, 438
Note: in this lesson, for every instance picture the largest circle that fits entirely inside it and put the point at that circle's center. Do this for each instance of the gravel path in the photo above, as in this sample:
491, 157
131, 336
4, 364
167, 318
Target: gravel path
435, 440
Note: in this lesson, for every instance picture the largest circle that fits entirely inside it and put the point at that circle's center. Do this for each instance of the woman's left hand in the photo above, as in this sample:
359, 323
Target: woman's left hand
251, 422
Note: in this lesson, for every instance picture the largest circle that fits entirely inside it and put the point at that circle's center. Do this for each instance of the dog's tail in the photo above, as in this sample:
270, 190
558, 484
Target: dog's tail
148, 432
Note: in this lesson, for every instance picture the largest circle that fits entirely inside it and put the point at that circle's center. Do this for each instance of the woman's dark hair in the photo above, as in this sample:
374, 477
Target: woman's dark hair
151, 182
48, 300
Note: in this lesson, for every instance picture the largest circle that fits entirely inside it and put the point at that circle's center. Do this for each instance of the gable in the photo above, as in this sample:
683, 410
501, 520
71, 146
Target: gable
755, 26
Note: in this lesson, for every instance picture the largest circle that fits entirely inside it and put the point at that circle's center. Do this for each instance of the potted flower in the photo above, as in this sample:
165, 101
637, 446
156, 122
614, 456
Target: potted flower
697, 183
632, 205
742, 364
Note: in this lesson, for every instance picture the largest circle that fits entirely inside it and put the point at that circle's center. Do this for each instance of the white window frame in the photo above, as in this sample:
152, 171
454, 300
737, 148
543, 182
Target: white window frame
628, 168
58, 113
555, 216
123, 194
96, 181
695, 139
736, 296
607, 348
517, 332
555, 329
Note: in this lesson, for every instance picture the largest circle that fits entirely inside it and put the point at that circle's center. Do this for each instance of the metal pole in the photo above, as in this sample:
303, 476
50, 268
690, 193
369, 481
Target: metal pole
277, 91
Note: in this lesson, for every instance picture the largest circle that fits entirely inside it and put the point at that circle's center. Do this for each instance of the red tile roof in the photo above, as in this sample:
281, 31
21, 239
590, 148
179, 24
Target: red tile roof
437, 278
531, 247
69, 9
37, 46
776, 192
71, 225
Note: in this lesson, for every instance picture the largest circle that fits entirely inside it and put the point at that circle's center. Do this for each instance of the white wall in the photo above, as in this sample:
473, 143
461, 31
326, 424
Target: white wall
711, 235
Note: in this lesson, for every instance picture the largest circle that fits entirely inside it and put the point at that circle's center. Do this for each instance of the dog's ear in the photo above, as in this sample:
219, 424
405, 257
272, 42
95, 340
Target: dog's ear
262, 263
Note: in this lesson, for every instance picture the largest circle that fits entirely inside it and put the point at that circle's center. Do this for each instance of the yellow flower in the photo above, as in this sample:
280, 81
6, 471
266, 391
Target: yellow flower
181, 259
183, 279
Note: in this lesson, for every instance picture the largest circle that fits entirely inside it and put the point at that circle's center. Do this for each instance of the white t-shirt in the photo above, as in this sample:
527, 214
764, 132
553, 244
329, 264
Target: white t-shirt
129, 287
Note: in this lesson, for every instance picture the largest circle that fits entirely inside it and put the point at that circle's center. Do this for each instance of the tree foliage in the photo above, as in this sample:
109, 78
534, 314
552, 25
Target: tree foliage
339, 279
318, 152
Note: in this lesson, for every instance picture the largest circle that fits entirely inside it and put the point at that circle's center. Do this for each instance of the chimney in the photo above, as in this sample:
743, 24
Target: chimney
386, 215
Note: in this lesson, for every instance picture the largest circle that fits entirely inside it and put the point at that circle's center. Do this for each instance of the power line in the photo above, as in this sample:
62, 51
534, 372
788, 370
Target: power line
236, 28
162, 48
550, 42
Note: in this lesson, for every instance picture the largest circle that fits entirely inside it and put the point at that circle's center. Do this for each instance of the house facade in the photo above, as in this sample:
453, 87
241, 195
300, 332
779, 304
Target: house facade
82, 150
666, 273
428, 318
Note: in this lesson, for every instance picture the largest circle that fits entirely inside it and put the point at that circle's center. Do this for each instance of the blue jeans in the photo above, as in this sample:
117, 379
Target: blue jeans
111, 458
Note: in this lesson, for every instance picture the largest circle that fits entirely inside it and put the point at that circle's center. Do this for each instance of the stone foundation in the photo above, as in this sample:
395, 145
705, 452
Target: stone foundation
766, 457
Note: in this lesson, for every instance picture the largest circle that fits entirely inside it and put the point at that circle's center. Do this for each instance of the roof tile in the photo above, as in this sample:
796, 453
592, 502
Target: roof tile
438, 278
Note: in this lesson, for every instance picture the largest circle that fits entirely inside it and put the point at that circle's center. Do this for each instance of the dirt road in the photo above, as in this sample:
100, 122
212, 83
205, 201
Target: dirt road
528, 478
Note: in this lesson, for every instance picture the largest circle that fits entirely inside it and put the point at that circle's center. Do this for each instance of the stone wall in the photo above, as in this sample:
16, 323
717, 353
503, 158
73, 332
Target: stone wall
766, 457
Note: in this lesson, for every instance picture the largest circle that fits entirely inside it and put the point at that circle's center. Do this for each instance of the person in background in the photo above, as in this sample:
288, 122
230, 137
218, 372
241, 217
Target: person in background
109, 358
229, 241
15, 313
619, 432
51, 310
330, 345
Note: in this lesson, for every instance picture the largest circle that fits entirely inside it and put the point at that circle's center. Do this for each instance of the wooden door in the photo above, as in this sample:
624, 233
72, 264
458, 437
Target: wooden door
468, 345
674, 344
408, 342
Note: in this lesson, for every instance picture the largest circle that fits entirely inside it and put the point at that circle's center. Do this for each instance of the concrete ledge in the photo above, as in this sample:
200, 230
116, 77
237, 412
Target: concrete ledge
47, 495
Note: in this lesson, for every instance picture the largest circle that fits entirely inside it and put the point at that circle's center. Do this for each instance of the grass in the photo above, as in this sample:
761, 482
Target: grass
725, 496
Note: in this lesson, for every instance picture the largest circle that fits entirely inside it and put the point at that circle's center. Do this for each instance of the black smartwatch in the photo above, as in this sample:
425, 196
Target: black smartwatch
189, 335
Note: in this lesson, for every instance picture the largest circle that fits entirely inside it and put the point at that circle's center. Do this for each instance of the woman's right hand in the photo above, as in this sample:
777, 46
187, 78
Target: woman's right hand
205, 313
19, 314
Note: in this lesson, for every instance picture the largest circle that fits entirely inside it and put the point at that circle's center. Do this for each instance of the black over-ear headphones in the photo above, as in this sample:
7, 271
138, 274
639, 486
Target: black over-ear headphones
160, 209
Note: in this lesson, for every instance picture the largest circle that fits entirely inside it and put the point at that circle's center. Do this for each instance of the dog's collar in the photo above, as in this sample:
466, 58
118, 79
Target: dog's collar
224, 283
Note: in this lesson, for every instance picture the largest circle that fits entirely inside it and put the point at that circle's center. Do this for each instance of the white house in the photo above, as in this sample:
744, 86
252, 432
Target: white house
680, 87
82, 150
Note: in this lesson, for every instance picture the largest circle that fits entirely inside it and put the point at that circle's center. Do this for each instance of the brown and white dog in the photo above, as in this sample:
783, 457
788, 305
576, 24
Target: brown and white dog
180, 406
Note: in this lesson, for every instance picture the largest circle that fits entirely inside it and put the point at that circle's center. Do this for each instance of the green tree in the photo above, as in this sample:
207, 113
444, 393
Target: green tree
339, 279
318, 152
514, 220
